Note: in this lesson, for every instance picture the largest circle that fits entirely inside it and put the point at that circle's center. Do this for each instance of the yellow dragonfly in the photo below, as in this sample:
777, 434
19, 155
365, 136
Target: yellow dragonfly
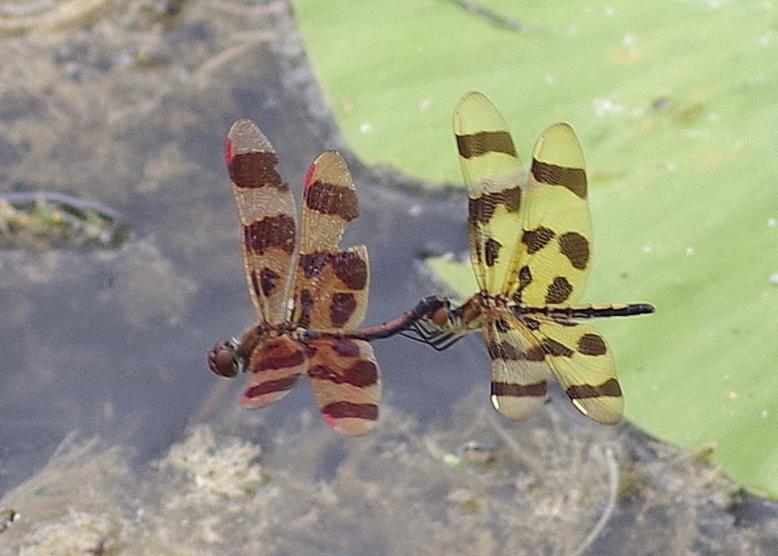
530, 238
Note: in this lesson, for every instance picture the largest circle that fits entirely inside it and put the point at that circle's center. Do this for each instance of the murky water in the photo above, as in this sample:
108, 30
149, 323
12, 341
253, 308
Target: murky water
131, 112
114, 342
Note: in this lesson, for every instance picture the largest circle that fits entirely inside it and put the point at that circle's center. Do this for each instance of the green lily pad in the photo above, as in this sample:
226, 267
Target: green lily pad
674, 103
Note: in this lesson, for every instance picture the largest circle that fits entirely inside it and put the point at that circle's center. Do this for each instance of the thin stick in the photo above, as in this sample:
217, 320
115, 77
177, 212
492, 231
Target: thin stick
535, 465
55, 17
492, 16
613, 485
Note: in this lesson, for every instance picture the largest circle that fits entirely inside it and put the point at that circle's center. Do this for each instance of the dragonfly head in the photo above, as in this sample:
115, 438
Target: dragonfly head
440, 317
225, 359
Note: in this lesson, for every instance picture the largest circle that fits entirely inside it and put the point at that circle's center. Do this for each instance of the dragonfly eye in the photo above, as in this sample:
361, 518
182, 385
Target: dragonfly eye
222, 359
441, 316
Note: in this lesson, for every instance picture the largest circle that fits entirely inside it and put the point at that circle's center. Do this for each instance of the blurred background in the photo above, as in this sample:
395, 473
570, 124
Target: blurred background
120, 268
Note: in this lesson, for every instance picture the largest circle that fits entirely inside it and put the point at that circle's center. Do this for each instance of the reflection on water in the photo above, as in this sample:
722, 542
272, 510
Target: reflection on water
110, 344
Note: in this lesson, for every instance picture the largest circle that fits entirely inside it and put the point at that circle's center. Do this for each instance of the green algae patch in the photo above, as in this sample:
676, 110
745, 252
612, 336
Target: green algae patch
674, 104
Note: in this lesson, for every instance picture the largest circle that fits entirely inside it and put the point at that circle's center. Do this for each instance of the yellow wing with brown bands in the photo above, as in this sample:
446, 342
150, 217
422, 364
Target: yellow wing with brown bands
492, 173
553, 258
583, 364
519, 366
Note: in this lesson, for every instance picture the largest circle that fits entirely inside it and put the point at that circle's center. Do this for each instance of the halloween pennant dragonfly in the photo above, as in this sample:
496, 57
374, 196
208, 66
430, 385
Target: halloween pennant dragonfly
299, 284
530, 248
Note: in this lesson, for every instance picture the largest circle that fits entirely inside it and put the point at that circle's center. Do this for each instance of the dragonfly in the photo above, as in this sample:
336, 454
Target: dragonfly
308, 293
530, 240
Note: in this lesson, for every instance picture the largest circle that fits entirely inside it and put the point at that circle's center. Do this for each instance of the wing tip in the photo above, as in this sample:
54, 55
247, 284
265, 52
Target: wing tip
517, 409
473, 96
562, 136
245, 136
475, 113
603, 415
329, 166
560, 127
259, 401
350, 427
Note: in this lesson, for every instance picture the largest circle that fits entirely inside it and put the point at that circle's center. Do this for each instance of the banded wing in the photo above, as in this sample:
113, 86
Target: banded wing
331, 285
274, 367
519, 367
330, 203
492, 173
346, 383
582, 363
331, 289
267, 217
552, 261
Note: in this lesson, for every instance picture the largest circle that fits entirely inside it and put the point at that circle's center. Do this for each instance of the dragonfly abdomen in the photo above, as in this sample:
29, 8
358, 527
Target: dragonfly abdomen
584, 311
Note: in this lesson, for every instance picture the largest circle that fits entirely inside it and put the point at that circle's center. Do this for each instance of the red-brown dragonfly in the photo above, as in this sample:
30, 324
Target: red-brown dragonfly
310, 295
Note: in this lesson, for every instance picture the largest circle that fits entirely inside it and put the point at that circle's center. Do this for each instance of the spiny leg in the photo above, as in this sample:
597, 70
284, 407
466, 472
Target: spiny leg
437, 339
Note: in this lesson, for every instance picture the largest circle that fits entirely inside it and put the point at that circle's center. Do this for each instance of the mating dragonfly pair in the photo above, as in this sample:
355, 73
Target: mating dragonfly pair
530, 246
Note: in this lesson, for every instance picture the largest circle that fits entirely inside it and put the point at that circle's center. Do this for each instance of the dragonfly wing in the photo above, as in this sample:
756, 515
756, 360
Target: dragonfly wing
582, 363
492, 173
519, 368
346, 382
267, 217
331, 284
552, 261
274, 367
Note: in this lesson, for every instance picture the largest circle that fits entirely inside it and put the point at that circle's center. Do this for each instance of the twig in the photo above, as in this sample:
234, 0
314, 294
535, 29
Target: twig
535, 465
203, 74
613, 485
57, 16
493, 17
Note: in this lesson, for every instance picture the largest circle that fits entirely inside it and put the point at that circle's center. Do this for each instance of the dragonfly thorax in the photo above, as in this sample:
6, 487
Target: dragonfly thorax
467, 315
492, 300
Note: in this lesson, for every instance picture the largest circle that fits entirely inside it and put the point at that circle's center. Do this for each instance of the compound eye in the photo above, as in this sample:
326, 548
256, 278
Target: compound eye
440, 316
221, 360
